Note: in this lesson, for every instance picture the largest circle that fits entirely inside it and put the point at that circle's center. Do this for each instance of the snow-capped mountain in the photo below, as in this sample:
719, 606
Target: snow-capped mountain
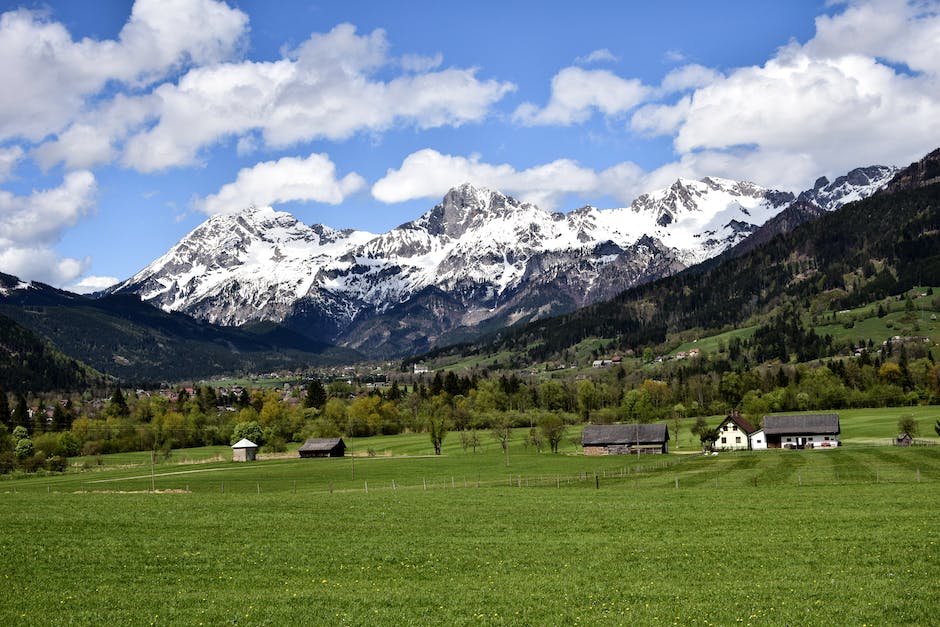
858, 184
479, 259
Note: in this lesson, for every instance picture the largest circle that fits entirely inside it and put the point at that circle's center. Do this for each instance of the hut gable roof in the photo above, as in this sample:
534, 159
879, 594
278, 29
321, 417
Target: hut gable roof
823, 424
743, 424
244, 443
321, 444
600, 435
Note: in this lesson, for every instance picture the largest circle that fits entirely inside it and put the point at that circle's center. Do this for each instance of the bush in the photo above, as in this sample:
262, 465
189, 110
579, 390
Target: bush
33, 463
24, 449
276, 444
68, 445
249, 430
57, 463
7, 462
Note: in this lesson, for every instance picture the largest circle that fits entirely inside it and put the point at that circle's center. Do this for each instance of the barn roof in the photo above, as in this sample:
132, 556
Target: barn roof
321, 444
809, 424
244, 443
599, 435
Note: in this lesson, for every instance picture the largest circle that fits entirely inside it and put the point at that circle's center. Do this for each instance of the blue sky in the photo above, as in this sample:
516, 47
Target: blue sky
123, 125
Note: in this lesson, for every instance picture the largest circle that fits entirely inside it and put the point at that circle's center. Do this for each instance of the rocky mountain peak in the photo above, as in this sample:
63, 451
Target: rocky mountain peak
918, 174
467, 204
855, 185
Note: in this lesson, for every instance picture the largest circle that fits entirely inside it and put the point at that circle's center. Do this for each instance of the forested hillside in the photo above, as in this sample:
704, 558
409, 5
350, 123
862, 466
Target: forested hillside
864, 252
129, 339
29, 364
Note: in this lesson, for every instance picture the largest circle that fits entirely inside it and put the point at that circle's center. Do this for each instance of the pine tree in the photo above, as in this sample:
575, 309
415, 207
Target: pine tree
117, 406
20, 417
316, 395
5, 417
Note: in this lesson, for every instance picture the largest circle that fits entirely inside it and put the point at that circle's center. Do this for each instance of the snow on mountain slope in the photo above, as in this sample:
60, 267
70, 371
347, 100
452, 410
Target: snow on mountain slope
244, 267
477, 256
858, 184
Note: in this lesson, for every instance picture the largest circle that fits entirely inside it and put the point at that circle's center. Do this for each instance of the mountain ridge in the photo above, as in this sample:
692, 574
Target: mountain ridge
491, 258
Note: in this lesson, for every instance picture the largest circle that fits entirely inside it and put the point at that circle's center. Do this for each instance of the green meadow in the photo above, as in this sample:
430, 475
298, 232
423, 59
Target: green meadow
845, 536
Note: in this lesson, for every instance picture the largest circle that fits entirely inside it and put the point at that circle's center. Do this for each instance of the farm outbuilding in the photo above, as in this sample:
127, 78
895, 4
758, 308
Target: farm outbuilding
904, 439
625, 439
802, 431
244, 451
323, 447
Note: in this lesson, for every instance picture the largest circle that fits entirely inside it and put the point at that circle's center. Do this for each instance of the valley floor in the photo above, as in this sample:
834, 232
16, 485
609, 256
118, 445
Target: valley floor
776, 537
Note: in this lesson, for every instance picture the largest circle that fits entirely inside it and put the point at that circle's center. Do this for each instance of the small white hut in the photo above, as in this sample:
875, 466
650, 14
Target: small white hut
244, 451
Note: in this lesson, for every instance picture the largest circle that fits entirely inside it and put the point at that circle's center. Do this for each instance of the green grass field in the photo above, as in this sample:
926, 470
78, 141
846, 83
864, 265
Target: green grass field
845, 536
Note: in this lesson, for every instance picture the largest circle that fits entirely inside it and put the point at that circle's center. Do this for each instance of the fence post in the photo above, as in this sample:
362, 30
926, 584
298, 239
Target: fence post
331, 487
918, 475
367, 486
425, 484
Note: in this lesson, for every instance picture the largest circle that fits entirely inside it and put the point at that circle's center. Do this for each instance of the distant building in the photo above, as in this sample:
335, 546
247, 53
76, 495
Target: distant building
757, 440
625, 439
244, 451
323, 447
802, 431
733, 433
904, 439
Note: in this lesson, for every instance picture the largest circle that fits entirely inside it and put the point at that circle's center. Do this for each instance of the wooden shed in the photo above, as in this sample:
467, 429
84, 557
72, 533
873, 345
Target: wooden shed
625, 439
323, 447
904, 439
244, 451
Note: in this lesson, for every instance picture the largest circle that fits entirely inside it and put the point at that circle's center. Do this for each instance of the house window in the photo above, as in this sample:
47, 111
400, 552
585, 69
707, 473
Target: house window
725, 428
826, 438
810, 438
737, 440
724, 440
789, 440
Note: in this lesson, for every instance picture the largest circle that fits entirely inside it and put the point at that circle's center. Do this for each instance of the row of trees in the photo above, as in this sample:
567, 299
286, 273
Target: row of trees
899, 373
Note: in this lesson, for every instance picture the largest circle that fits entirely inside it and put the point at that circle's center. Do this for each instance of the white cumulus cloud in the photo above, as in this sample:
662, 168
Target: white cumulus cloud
31, 225
89, 284
429, 174
327, 88
9, 157
285, 180
43, 65
577, 93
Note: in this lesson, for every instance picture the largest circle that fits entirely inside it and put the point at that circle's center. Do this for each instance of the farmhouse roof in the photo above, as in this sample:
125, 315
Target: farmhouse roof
742, 423
244, 443
320, 444
810, 424
599, 435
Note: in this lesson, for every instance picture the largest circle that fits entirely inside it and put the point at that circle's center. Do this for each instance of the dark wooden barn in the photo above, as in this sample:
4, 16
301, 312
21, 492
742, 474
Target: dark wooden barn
323, 447
625, 439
